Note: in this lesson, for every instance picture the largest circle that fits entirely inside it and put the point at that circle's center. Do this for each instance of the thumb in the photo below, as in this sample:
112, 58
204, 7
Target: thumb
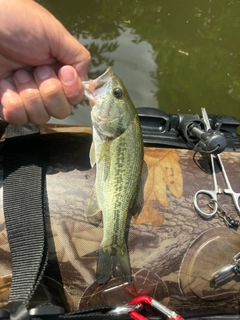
66, 49
69, 51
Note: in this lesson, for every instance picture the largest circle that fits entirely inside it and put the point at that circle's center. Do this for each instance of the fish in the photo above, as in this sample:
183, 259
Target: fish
117, 152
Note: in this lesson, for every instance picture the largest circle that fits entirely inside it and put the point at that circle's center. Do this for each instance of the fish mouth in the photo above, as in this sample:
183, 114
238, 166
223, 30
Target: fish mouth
95, 88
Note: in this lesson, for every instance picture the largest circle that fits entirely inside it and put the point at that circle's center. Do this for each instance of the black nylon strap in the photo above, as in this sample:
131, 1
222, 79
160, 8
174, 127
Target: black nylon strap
23, 201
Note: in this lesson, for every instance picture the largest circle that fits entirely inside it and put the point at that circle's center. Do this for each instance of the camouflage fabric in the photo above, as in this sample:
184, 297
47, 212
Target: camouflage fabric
173, 251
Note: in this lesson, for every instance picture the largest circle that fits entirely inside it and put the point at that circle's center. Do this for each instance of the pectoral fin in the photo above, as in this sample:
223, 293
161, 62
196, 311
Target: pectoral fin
92, 155
103, 150
93, 211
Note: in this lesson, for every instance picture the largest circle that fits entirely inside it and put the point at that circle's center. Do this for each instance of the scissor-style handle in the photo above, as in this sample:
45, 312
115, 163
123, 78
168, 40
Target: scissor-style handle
213, 196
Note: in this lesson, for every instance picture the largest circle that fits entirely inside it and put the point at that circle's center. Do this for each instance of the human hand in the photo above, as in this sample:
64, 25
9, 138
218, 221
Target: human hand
41, 64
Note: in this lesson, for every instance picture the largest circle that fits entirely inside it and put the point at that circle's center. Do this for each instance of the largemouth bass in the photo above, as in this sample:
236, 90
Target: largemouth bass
117, 151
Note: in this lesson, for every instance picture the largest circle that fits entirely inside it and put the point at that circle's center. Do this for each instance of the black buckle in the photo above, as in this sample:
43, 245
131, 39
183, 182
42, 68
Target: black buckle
46, 310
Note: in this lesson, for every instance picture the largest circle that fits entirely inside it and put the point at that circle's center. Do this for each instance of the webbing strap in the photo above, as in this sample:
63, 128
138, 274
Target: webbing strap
23, 201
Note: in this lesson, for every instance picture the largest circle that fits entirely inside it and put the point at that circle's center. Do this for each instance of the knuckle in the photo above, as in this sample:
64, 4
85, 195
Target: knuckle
11, 101
44, 120
59, 109
65, 112
40, 120
30, 95
74, 94
88, 58
11, 117
75, 99
51, 89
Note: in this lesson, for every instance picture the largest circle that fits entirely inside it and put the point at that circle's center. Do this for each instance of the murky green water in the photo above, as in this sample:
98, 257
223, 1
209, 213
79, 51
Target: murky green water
176, 55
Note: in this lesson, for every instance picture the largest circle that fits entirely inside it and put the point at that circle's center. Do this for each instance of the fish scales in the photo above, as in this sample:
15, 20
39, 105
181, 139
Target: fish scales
117, 151
116, 193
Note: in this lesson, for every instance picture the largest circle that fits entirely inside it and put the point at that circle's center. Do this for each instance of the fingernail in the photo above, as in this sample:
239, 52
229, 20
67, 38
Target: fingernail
22, 76
5, 86
67, 75
43, 72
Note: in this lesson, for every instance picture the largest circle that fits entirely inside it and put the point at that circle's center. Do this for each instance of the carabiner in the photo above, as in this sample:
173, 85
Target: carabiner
154, 303
125, 309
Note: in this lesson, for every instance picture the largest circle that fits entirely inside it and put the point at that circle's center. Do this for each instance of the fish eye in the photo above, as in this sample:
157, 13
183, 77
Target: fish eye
117, 92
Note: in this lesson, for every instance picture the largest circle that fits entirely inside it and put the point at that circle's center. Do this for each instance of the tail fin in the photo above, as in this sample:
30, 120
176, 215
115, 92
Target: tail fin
108, 264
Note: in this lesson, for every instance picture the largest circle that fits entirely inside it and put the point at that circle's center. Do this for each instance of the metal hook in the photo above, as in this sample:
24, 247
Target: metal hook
229, 222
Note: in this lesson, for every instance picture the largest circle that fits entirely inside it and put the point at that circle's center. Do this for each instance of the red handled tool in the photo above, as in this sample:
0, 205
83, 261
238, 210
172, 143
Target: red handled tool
157, 305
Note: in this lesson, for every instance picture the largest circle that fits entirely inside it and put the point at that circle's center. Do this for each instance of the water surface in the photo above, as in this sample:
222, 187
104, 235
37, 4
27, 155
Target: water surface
177, 56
